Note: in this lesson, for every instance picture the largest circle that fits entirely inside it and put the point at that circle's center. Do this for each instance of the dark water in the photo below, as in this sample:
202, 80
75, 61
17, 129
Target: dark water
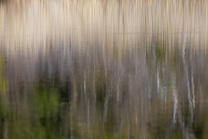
91, 69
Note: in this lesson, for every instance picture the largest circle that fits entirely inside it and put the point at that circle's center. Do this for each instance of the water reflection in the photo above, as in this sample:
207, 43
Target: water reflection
103, 69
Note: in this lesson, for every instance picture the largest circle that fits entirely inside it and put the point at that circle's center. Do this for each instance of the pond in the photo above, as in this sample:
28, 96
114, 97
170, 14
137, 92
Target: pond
103, 69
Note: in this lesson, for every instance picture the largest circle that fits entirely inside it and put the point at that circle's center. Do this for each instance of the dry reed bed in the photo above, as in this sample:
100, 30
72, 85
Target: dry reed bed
31, 25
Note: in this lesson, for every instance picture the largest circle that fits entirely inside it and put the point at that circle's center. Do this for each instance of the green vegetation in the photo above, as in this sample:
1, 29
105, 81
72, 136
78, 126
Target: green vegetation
46, 102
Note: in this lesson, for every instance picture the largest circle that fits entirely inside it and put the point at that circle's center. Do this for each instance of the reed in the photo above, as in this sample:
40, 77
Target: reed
111, 20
